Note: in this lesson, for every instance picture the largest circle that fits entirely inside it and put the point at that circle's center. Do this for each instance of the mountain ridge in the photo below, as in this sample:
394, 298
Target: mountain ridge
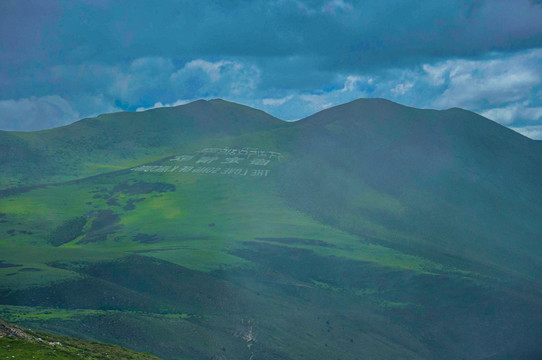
131, 136
199, 102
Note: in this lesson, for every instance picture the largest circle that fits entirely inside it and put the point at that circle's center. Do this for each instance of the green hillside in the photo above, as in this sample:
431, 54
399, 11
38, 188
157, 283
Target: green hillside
215, 231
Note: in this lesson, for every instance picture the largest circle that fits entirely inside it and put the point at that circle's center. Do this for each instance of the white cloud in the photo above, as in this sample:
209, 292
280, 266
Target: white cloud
201, 78
142, 75
36, 113
351, 82
501, 115
332, 6
534, 132
212, 69
495, 81
301, 104
94, 105
152, 65
513, 112
435, 73
317, 102
311, 8
402, 89
126, 83
160, 105
276, 102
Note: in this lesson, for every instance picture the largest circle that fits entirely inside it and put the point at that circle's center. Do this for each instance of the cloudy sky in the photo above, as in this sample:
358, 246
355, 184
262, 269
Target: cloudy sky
65, 60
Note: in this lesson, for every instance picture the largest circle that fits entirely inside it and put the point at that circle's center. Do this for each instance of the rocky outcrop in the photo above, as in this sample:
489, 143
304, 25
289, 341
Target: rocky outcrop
10, 330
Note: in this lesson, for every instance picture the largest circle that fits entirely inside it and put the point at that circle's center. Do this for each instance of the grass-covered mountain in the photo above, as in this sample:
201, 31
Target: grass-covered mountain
212, 230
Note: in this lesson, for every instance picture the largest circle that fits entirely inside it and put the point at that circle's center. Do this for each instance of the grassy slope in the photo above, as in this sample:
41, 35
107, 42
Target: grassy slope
51, 346
198, 247
285, 266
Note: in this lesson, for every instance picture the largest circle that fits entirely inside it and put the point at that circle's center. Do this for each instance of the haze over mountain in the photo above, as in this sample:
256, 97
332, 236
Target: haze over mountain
214, 230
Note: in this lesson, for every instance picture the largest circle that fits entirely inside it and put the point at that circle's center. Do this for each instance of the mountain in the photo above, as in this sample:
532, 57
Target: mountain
438, 169
114, 141
212, 230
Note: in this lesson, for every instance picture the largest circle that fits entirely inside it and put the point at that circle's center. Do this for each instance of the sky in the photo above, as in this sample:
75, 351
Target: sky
61, 61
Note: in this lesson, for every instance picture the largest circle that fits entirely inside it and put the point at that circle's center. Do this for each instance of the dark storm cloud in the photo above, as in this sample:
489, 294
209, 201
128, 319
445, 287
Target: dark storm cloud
343, 34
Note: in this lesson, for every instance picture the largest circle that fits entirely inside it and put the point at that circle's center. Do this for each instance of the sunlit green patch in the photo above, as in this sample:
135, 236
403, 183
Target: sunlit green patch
202, 255
39, 258
16, 314
356, 249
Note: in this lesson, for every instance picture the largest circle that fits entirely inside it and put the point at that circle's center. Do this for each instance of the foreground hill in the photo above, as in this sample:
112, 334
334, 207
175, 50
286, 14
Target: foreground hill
368, 230
18, 343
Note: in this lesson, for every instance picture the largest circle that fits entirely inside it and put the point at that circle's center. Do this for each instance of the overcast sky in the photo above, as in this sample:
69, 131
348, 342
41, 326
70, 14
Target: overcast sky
65, 60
